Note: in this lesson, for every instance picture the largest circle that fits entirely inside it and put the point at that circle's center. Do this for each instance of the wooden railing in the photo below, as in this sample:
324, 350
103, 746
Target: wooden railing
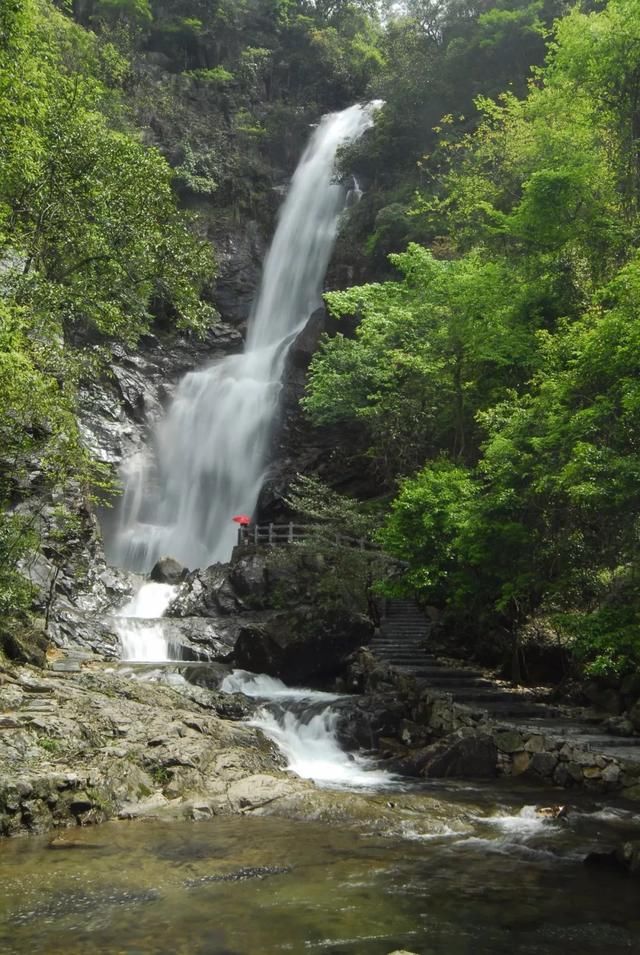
291, 533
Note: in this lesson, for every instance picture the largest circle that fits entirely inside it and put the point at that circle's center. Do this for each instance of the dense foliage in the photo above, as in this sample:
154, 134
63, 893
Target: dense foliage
496, 379
92, 247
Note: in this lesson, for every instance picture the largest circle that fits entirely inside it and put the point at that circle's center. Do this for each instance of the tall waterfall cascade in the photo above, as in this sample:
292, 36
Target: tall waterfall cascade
208, 457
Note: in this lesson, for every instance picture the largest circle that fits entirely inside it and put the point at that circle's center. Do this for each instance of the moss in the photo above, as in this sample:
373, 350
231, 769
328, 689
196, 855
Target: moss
24, 641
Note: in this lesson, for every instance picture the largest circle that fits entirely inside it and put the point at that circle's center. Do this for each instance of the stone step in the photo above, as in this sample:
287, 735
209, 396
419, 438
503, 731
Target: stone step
411, 653
483, 695
546, 726
444, 682
411, 642
395, 631
519, 710
442, 672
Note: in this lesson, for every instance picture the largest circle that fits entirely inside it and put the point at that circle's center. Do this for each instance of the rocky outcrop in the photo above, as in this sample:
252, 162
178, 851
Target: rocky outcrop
473, 756
278, 608
301, 645
168, 571
78, 748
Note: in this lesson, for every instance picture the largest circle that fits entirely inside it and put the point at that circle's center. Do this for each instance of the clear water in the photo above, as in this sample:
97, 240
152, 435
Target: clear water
450, 872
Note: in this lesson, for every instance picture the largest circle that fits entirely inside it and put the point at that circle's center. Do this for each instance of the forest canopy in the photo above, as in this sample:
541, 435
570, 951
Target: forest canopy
496, 377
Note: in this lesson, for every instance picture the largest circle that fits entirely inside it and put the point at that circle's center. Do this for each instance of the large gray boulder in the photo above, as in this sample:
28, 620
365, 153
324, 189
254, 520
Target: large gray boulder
471, 757
167, 570
300, 646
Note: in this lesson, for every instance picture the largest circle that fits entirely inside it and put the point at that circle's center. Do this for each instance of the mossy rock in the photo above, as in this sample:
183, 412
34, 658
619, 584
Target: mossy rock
23, 642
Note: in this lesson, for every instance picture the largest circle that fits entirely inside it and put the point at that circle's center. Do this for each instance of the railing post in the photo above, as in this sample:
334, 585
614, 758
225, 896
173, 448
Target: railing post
271, 533
255, 534
291, 532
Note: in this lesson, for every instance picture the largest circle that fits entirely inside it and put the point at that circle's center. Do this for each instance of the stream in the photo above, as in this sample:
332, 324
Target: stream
377, 864
463, 870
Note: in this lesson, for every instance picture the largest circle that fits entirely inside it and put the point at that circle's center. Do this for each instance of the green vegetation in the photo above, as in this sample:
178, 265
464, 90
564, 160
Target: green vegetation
495, 380
490, 381
92, 248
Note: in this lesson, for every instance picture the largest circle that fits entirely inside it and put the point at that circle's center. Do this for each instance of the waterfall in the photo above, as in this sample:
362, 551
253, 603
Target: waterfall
208, 457
303, 724
139, 627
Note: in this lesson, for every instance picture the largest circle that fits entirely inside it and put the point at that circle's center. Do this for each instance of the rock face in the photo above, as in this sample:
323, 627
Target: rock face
277, 605
304, 644
78, 748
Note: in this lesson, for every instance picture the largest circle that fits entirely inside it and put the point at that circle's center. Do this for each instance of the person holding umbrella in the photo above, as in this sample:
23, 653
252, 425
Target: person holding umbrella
244, 521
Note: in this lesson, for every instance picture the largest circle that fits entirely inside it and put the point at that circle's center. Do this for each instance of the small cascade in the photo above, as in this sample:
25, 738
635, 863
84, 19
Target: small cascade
138, 624
207, 460
304, 725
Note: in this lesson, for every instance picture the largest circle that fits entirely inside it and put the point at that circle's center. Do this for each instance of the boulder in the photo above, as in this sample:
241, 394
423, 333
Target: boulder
206, 593
471, 757
301, 645
23, 642
168, 571
624, 858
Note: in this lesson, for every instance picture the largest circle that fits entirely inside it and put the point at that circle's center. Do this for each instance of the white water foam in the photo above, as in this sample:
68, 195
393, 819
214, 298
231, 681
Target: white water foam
144, 641
265, 687
304, 728
313, 752
208, 457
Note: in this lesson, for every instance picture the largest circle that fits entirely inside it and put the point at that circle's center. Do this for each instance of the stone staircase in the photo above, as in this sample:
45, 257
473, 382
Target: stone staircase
402, 643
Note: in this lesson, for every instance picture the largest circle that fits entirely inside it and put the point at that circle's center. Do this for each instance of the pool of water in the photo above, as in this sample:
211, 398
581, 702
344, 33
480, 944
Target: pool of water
455, 871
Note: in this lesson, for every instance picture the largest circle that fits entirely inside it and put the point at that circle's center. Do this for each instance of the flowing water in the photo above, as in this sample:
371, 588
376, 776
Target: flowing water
304, 725
139, 626
453, 872
366, 867
371, 863
208, 457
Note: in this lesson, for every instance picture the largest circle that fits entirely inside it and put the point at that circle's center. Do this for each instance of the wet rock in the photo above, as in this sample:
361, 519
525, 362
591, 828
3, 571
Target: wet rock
23, 642
167, 570
206, 593
472, 757
625, 858
304, 644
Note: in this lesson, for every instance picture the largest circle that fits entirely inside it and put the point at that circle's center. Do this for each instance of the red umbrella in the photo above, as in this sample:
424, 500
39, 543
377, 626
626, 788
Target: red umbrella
242, 519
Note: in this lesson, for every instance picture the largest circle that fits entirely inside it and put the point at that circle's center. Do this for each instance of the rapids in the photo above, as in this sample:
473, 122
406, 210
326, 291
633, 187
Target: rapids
304, 725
